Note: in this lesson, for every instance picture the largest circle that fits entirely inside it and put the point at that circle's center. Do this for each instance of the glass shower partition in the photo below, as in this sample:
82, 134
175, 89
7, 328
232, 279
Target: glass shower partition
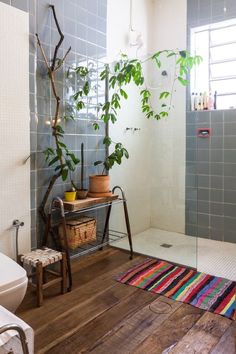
216, 192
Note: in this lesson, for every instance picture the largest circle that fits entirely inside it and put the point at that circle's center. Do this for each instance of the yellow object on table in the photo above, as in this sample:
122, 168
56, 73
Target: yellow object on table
70, 196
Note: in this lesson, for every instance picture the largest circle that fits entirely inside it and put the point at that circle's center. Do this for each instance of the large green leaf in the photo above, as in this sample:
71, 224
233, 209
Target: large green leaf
164, 94
98, 163
64, 174
183, 81
53, 161
107, 141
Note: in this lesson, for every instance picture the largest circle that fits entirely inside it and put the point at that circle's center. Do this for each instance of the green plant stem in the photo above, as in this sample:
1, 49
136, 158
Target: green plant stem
173, 85
46, 196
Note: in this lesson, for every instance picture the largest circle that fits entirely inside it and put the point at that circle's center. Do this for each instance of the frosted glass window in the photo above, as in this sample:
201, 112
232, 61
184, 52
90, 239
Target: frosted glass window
223, 86
216, 44
223, 35
223, 52
201, 78
228, 101
227, 69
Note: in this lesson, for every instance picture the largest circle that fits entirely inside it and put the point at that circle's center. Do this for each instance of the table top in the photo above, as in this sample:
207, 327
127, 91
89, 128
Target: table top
80, 204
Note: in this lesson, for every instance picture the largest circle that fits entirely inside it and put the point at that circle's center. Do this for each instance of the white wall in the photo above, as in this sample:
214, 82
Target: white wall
154, 176
14, 128
134, 173
168, 136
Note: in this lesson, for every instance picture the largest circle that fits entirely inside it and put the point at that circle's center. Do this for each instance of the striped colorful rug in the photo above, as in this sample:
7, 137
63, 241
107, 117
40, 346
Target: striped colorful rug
201, 290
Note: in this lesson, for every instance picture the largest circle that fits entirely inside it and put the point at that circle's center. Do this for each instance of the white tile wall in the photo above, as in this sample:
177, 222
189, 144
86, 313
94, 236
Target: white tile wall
14, 127
168, 135
134, 174
154, 176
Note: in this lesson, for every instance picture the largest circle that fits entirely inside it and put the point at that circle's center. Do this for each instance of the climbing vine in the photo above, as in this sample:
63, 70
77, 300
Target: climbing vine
119, 76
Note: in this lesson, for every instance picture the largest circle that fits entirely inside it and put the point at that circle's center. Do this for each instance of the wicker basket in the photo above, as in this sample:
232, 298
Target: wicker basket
79, 231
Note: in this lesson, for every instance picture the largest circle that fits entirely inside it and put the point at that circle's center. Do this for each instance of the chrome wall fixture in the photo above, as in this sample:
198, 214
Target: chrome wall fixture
132, 129
17, 224
21, 334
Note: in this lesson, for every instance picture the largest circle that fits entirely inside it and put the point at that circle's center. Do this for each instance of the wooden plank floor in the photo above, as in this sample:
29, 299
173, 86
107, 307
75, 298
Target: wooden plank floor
101, 315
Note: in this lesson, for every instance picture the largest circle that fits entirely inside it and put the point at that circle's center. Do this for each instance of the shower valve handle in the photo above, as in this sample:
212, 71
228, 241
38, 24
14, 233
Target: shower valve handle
17, 223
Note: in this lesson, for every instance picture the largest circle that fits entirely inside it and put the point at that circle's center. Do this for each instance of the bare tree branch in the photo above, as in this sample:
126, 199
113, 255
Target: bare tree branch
63, 60
42, 51
60, 40
51, 72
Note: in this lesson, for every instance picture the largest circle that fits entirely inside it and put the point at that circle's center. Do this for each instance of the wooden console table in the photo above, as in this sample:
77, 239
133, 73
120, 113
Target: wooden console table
82, 206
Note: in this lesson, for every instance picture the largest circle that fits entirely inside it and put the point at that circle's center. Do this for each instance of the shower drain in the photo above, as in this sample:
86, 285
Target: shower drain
166, 245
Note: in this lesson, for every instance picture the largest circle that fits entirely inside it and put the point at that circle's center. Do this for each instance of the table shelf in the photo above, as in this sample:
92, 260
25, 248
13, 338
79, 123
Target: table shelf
113, 236
88, 203
104, 238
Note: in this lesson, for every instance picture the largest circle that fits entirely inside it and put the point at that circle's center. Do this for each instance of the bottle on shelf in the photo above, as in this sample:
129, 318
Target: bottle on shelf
200, 102
205, 101
215, 100
196, 102
210, 102
193, 101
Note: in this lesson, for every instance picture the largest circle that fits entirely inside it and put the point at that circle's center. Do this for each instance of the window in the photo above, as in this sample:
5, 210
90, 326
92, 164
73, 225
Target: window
216, 43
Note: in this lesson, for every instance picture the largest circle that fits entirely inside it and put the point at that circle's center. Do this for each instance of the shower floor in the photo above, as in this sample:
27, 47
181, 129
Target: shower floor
208, 256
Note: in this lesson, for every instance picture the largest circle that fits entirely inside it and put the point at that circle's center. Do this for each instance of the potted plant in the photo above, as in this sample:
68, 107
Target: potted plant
117, 76
99, 185
82, 192
70, 195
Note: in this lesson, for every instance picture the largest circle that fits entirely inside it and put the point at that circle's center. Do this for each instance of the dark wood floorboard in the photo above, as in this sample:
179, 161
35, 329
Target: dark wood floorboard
101, 315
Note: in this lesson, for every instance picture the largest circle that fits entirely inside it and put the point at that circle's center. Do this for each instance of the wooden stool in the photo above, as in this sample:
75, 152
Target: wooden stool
40, 259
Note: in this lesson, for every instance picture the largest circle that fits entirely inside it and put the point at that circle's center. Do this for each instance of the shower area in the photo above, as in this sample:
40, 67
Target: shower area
181, 178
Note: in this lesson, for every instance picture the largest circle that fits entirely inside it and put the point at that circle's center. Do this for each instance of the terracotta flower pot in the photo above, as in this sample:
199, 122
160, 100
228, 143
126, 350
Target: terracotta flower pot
99, 186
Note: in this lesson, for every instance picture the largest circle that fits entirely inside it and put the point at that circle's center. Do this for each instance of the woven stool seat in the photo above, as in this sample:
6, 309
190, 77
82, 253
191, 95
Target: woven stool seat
36, 263
46, 256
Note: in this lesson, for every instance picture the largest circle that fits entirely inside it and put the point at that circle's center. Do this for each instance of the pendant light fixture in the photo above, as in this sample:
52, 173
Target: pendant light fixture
135, 37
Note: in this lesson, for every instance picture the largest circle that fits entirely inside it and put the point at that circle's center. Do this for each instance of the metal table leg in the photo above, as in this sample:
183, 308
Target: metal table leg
126, 219
65, 247
106, 224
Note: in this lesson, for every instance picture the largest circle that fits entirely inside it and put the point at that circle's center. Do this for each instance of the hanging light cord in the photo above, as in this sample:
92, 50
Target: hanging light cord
131, 16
